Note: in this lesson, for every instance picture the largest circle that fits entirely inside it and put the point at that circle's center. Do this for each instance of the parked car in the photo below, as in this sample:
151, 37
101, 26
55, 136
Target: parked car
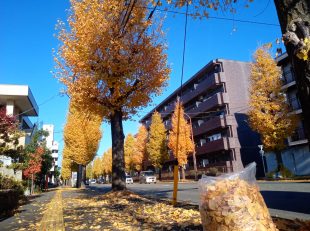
86, 182
100, 181
92, 181
129, 180
147, 177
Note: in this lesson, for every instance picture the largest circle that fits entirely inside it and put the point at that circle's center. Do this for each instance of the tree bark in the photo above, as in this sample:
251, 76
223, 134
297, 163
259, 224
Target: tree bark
118, 163
31, 191
294, 18
279, 160
79, 176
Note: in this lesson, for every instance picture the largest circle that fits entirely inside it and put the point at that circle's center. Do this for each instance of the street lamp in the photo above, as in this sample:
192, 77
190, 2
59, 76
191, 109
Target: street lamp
261, 152
194, 152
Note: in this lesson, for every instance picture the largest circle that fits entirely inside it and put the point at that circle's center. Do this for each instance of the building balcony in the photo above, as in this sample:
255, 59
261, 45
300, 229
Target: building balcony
225, 143
210, 82
218, 99
294, 103
214, 123
288, 79
298, 137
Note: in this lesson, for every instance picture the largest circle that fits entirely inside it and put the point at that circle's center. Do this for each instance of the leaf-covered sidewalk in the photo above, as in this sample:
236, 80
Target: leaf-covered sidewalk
87, 210
84, 209
124, 211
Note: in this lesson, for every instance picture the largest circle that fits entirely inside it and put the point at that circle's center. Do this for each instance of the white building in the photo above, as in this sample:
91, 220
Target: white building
53, 146
18, 101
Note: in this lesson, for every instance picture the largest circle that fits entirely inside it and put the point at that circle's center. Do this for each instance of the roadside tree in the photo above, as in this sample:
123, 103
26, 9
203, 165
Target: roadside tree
89, 171
107, 163
156, 146
130, 152
97, 168
269, 112
185, 144
113, 56
9, 140
141, 154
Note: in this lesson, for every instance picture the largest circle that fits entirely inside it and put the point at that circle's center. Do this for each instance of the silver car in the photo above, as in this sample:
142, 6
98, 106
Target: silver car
147, 177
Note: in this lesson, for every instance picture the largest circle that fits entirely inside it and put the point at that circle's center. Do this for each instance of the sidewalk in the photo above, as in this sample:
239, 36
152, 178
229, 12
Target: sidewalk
29, 215
86, 209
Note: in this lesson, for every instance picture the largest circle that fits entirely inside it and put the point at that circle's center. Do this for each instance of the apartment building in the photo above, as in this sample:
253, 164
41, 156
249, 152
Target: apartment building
296, 156
18, 101
216, 100
52, 145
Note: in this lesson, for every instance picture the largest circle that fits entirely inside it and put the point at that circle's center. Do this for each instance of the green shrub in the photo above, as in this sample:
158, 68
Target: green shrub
212, 172
11, 191
270, 174
285, 172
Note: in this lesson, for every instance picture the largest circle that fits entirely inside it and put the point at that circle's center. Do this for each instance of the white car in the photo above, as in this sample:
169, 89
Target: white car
147, 177
129, 180
92, 181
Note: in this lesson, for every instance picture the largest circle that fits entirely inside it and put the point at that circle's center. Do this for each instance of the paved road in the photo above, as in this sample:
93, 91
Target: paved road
286, 200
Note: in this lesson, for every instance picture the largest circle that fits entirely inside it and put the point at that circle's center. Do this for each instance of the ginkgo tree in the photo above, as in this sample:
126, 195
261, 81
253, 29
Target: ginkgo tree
107, 162
130, 152
82, 135
156, 146
185, 143
141, 140
269, 112
112, 55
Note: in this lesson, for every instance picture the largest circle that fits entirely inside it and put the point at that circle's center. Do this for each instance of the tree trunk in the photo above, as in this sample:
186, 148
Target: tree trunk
183, 173
159, 174
79, 176
118, 163
31, 191
294, 18
279, 160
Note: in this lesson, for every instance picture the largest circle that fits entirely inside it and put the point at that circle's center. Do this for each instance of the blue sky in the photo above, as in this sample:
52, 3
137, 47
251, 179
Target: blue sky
27, 39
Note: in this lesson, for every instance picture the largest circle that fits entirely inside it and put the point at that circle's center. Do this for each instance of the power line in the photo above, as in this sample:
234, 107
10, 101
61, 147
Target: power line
217, 18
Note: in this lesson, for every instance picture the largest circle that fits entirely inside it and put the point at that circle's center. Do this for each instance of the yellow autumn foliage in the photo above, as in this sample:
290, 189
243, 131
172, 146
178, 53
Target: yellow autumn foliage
66, 164
107, 162
82, 134
97, 167
115, 61
141, 154
156, 146
185, 144
269, 113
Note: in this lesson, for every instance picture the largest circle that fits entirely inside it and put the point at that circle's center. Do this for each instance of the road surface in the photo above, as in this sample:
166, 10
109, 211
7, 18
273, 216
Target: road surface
284, 199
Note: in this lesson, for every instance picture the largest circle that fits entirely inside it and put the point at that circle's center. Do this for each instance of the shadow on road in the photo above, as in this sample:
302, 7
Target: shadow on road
288, 201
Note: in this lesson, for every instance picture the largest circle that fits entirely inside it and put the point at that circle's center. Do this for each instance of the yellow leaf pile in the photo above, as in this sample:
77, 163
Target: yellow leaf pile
127, 211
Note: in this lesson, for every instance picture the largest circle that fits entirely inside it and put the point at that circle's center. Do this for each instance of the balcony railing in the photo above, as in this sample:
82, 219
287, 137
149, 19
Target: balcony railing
288, 77
294, 103
299, 134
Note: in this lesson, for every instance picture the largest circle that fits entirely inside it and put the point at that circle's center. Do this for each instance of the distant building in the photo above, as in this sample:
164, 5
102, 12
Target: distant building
18, 101
216, 99
296, 156
53, 146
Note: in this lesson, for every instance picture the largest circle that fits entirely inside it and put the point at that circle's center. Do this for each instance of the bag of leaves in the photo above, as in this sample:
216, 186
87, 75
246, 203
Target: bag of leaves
232, 202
